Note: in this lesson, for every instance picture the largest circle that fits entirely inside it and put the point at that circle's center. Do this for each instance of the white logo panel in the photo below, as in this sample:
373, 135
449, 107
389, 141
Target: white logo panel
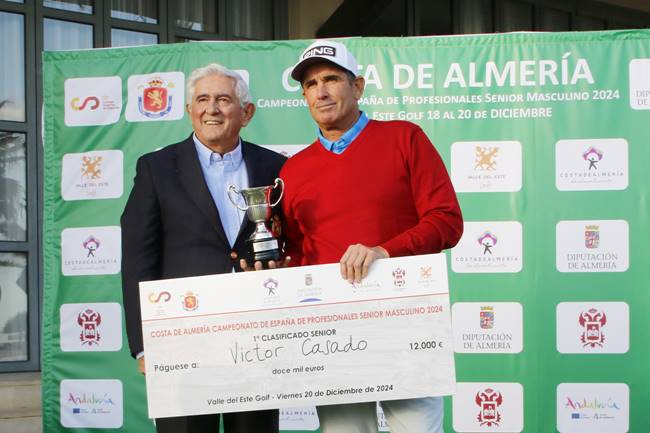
92, 175
593, 408
593, 327
592, 246
92, 327
156, 96
488, 407
92, 101
91, 250
299, 419
487, 327
486, 166
489, 247
91, 403
640, 84
588, 165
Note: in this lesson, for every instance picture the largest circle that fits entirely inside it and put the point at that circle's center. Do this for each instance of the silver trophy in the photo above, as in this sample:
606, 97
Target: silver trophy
262, 246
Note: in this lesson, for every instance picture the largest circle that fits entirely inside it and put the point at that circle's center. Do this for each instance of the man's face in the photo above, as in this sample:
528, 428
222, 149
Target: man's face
331, 96
216, 113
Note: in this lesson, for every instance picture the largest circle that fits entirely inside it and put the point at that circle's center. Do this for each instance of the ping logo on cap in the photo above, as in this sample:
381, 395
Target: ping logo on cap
323, 50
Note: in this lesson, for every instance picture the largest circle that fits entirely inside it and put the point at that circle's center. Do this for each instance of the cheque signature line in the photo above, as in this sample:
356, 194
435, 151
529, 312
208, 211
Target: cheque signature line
295, 306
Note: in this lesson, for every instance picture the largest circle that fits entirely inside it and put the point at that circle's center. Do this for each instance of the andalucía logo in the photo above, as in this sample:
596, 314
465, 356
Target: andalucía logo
487, 240
270, 284
89, 321
90, 167
489, 401
594, 408
91, 244
486, 158
190, 301
593, 156
90, 403
154, 102
487, 317
592, 322
398, 277
592, 236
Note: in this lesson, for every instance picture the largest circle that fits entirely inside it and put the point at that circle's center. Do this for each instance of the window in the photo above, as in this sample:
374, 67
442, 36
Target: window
13, 187
12, 69
83, 6
13, 307
66, 35
128, 38
199, 15
143, 11
251, 19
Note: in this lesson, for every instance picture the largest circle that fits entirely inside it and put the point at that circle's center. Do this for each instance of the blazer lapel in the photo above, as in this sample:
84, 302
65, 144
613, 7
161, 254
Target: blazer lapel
191, 177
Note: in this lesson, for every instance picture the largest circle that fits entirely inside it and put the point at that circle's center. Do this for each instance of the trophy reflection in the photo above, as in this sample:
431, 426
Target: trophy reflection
261, 245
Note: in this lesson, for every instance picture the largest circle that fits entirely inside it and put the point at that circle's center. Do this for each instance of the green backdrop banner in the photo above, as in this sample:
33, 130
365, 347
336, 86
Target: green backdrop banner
547, 142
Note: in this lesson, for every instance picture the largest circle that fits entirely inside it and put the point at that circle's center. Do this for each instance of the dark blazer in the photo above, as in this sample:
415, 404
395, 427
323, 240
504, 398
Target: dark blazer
171, 226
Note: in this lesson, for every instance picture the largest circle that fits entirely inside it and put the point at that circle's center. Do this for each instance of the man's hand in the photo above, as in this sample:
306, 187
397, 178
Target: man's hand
357, 260
258, 265
141, 364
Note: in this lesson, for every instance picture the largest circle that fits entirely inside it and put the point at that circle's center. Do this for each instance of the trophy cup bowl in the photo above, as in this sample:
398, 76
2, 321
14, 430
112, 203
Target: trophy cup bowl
262, 246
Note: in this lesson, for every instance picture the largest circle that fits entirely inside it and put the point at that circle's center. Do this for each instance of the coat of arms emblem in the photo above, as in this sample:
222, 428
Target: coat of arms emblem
489, 401
592, 237
155, 100
89, 320
398, 277
487, 317
190, 301
592, 322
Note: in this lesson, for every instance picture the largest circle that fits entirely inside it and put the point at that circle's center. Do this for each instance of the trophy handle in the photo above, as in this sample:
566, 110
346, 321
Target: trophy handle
233, 188
278, 181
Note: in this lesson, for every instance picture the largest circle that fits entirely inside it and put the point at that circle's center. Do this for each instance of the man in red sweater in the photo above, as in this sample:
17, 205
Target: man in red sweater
364, 190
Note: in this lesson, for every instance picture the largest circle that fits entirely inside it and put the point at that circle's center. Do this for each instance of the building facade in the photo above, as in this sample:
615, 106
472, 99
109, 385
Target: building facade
29, 27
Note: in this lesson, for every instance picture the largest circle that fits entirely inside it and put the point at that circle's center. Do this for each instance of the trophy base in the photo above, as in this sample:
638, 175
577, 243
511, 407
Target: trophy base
262, 251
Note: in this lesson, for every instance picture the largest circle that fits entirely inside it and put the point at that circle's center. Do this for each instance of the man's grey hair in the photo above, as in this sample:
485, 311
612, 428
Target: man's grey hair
241, 88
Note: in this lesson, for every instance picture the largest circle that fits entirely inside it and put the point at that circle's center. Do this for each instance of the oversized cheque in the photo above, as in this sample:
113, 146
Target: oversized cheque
296, 337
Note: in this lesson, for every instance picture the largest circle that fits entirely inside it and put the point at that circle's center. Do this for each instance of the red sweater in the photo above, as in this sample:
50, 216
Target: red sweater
388, 188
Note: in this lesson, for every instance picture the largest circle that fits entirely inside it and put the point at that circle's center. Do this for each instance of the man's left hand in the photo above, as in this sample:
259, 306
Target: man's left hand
357, 260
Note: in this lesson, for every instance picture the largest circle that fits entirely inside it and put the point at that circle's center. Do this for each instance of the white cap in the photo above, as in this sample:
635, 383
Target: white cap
334, 52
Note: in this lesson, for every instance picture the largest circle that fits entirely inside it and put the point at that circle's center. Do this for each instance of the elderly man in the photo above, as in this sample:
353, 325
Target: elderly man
179, 223
364, 190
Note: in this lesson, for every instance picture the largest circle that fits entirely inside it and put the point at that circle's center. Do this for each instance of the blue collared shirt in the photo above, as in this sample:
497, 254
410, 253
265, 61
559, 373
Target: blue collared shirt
219, 172
342, 143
